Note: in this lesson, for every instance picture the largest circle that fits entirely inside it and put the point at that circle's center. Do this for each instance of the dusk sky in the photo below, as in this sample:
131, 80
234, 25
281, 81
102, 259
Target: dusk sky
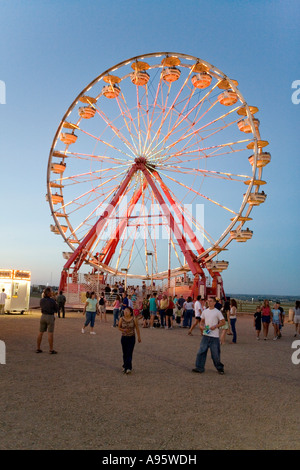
51, 50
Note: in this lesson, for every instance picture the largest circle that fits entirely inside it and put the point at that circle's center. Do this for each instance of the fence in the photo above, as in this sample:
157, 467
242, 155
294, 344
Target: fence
244, 306
76, 292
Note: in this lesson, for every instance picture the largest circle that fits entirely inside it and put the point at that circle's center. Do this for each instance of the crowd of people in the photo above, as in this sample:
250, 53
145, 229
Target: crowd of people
214, 317
265, 315
164, 311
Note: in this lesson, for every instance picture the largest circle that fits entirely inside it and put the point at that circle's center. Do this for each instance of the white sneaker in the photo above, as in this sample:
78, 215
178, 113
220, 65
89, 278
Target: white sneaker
92, 333
82, 330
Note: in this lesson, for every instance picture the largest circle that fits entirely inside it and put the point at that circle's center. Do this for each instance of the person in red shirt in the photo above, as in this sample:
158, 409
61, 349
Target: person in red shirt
169, 313
266, 317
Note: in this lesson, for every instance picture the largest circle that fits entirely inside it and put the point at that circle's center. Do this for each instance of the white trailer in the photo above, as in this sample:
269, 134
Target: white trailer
16, 285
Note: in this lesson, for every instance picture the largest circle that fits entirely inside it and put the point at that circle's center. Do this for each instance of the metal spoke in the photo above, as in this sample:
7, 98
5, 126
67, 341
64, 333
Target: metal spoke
201, 195
209, 173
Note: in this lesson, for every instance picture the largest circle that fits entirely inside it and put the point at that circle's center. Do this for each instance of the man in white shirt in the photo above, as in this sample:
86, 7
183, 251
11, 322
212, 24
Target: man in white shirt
211, 320
3, 297
198, 307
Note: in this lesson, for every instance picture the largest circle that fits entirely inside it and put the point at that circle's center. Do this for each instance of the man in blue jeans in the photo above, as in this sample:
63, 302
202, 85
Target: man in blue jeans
211, 320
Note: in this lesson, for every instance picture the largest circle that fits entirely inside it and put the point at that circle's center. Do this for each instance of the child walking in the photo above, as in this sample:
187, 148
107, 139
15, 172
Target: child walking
128, 325
257, 321
276, 320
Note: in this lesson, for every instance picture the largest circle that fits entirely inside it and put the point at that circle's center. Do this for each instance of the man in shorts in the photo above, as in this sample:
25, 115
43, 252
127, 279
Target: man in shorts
102, 306
48, 309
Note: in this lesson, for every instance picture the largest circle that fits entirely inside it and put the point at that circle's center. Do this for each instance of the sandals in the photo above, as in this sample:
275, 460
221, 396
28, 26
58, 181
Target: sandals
38, 351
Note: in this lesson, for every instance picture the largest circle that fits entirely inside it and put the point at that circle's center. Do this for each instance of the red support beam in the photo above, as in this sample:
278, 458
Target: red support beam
179, 214
191, 235
80, 253
111, 246
189, 255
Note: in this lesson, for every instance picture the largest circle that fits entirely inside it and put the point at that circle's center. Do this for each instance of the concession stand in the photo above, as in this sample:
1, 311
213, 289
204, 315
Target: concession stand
16, 284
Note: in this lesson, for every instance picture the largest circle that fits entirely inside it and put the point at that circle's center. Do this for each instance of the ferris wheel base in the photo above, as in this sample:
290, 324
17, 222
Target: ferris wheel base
63, 281
198, 287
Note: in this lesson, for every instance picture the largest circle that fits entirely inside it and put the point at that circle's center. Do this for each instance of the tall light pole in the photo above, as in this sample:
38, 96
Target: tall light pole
150, 253
126, 270
100, 254
169, 263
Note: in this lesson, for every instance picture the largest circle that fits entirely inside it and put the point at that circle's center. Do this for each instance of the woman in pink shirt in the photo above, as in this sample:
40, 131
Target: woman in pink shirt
116, 310
266, 317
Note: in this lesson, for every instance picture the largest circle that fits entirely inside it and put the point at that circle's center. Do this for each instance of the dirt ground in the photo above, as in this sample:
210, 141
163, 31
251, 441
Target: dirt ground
79, 398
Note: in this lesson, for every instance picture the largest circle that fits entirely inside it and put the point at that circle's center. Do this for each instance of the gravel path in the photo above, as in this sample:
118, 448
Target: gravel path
79, 398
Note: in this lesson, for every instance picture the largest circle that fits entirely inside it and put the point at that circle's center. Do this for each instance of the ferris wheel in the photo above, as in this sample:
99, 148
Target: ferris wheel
154, 169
